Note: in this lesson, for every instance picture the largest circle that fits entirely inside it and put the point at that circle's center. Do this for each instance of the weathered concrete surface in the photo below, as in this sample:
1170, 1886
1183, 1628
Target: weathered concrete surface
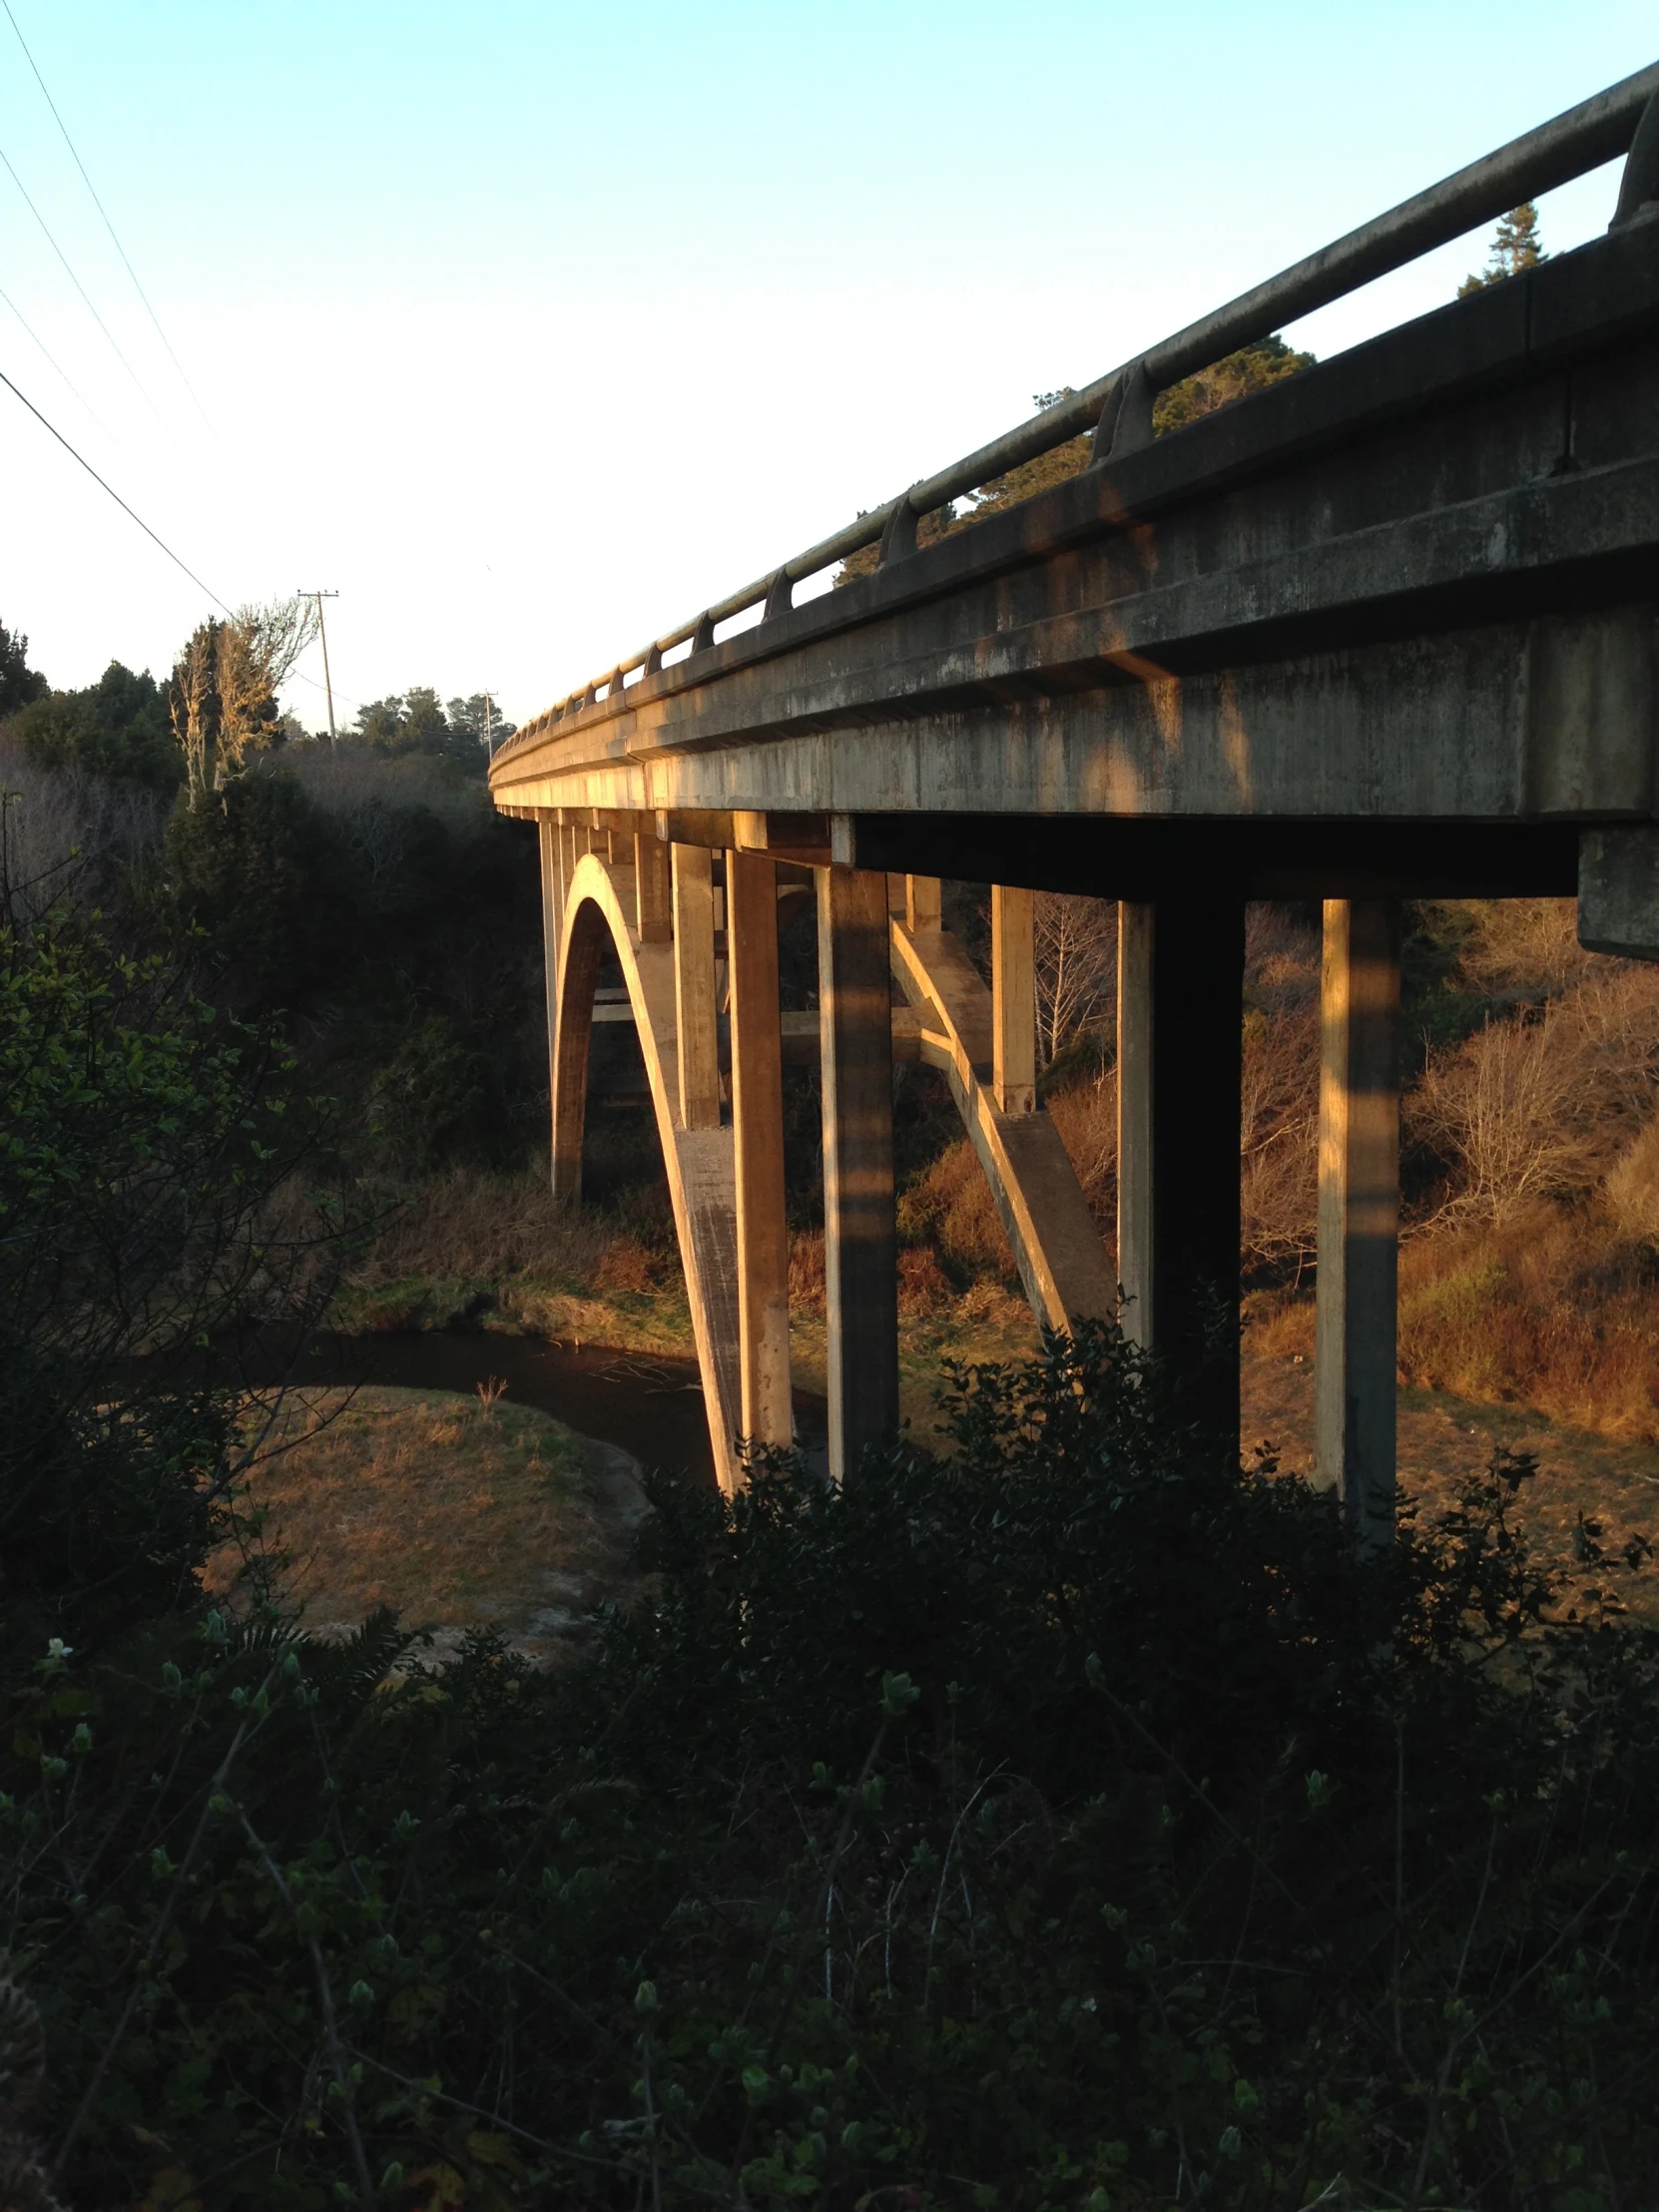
599, 904
1414, 585
1618, 892
1033, 1185
860, 1250
1359, 1212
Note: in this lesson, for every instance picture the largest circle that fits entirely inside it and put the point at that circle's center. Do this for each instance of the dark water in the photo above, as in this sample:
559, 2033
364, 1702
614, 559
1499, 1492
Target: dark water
651, 1407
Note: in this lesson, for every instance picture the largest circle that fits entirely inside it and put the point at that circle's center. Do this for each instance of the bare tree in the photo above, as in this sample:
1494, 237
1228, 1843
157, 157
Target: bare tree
63, 832
1540, 1106
1280, 1094
224, 694
193, 704
1076, 945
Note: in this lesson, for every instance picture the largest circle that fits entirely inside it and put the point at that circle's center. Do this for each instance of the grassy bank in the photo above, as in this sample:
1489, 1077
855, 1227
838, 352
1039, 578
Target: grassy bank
456, 1513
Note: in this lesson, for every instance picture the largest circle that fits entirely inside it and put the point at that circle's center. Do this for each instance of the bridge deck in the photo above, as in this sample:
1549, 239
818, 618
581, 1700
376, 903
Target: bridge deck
1413, 584
1390, 626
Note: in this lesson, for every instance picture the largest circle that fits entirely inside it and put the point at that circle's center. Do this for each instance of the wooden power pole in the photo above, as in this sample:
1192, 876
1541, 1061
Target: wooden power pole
316, 598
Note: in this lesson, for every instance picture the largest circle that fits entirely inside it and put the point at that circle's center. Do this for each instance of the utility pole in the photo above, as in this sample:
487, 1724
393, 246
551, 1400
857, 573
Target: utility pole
317, 597
489, 740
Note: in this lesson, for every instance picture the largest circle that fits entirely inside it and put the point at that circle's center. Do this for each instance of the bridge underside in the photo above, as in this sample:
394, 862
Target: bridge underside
1389, 629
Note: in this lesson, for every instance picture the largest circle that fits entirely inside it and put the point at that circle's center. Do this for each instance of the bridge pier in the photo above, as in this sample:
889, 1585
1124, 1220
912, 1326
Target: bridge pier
1358, 1213
758, 1126
1180, 992
549, 839
861, 1258
696, 1040
1014, 1000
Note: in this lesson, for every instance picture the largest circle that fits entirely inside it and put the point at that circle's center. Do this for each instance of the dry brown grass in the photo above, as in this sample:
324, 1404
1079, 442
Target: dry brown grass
1549, 1307
949, 1208
1086, 1115
1444, 1442
453, 1511
480, 1227
1553, 1307
1541, 1104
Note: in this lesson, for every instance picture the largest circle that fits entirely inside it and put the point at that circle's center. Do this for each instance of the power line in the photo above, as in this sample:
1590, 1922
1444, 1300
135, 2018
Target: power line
81, 289
52, 361
134, 516
113, 494
99, 205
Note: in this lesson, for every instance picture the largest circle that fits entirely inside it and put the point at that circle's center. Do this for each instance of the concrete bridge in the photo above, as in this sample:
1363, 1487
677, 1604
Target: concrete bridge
1387, 629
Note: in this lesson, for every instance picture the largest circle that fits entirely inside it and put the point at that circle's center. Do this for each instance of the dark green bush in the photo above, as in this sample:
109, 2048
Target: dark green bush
1067, 1820
144, 1141
258, 870
117, 728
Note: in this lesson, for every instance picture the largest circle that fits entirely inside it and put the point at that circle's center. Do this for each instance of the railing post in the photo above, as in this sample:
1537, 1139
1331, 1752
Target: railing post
1358, 1213
860, 1242
758, 1122
695, 1030
1014, 1000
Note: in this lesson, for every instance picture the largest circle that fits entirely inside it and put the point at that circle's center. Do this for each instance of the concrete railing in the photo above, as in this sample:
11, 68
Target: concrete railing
1117, 407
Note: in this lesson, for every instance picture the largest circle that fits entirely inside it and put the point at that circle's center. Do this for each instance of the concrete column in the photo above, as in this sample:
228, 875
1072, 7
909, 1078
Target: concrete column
552, 917
698, 1043
860, 1259
1180, 1024
923, 908
571, 1039
1135, 1119
1013, 1001
652, 898
1359, 1212
757, 1121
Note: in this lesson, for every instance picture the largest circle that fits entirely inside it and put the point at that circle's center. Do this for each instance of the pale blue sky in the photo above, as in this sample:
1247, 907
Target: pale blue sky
533, 327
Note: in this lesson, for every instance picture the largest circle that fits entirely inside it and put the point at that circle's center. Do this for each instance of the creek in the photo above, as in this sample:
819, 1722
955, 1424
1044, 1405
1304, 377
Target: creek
649, 1405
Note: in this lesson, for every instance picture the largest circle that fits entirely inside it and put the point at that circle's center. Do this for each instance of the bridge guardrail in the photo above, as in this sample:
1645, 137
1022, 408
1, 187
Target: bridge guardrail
1117, 407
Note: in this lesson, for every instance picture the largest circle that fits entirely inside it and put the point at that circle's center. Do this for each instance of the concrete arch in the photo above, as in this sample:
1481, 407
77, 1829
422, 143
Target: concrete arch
700, 1163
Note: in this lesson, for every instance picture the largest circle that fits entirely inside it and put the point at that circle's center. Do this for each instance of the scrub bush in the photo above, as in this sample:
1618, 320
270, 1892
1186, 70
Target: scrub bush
1069, 1818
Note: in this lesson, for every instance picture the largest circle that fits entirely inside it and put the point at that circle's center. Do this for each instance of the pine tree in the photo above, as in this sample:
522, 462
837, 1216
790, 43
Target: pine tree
1514, 248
